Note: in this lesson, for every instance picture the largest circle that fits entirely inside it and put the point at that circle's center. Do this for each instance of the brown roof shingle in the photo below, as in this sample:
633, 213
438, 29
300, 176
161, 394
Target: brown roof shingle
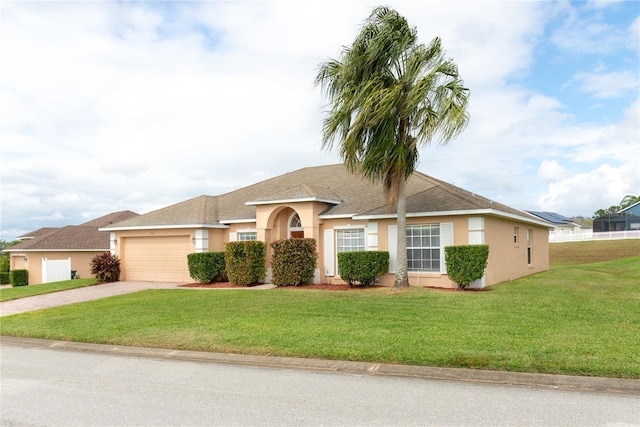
333, 182
73, 237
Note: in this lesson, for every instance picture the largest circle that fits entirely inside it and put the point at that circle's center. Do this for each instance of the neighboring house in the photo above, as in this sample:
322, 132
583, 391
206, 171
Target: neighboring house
50, 254
342, 213
627, 219
561, 224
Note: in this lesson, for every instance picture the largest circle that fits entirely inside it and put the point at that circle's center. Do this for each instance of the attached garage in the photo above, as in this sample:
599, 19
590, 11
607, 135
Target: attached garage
155, 258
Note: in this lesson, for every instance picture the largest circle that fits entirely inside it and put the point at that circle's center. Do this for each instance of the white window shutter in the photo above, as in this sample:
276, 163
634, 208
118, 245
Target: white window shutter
393, 247
446, 239
233, 237
328, 253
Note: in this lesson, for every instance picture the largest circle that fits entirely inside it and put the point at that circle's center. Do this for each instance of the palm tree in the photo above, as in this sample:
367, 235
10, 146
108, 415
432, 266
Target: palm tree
389, 96
628, 200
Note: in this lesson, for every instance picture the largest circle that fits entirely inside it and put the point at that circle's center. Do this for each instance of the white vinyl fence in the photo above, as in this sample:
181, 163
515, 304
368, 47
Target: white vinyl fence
56, 270
576, 236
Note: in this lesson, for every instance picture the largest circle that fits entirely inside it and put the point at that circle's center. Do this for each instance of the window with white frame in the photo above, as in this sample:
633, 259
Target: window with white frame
350, 240
244, 236
423, 247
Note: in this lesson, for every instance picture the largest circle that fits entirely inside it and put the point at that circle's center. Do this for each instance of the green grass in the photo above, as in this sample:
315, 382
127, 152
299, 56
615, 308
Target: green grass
575, 253
576, 320
7, 294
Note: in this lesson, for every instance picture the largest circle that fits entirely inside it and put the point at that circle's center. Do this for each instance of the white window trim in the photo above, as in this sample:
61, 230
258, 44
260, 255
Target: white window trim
349, 227
439, 247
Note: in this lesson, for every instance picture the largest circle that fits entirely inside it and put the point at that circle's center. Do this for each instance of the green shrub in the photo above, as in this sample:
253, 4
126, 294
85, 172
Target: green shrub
4, 264
19, 277
206, 267
466, 263
106, 267
4, 278
363, 268
245, 262
293, 262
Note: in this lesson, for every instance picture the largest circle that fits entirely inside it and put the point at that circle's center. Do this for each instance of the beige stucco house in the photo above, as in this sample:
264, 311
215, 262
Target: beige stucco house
341, 212
50, 254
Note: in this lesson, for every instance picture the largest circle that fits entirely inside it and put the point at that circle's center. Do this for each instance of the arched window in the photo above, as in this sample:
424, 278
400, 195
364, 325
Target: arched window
295, 227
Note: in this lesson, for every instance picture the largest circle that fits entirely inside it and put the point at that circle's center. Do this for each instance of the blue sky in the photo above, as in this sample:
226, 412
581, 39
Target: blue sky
108, 106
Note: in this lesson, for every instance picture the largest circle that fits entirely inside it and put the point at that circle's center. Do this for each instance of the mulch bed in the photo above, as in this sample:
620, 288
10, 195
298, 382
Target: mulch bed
217, 285
325, 287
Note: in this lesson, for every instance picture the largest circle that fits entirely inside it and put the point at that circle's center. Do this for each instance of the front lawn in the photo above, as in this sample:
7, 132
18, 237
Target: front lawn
7, 294
577, 320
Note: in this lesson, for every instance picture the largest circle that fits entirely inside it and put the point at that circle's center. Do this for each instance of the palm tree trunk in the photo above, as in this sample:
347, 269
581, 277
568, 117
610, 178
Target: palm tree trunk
401, 280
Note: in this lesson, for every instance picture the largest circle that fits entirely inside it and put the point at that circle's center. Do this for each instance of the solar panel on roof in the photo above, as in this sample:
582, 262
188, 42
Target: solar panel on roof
551, 217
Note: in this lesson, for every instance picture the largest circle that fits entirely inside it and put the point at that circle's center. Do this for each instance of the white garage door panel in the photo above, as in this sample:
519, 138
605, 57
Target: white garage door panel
156, 259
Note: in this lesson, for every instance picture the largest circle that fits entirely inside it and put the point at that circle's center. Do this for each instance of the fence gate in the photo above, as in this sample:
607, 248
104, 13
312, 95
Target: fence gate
56, 270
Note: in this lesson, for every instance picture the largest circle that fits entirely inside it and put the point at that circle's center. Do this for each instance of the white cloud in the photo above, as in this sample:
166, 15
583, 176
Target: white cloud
587, 33
602, 187
110, 106
607, 84
551, 170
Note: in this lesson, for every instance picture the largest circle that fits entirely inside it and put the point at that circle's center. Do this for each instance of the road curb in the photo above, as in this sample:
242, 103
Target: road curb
566, 382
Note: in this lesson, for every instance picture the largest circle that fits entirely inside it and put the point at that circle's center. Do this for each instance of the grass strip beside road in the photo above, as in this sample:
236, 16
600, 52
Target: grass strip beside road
574, 320
7, 294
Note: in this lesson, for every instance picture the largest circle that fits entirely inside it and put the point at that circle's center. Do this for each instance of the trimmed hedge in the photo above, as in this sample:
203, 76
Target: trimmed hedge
207, 267
245, 262
106, 267
19, 277
363, 268
4, 278
466, 263
293, 262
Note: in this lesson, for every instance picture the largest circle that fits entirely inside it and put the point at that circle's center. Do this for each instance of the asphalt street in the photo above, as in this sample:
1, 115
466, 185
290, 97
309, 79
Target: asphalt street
48, 386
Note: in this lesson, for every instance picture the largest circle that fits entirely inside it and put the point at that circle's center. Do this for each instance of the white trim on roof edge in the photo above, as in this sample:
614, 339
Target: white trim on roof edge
162, 227
350, 216
297, 200
456, 213
237, 221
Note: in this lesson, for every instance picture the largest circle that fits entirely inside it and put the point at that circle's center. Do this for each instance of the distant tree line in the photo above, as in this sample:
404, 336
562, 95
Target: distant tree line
627, 201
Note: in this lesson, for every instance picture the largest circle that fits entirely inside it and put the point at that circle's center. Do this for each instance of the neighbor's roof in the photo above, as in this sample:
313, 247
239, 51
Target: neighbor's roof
37, 233
72, 237
345, 194
552, 217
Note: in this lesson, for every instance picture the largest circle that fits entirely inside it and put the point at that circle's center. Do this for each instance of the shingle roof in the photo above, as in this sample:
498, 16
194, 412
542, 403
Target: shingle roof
37, 233
72, 237
334, 183
111, 218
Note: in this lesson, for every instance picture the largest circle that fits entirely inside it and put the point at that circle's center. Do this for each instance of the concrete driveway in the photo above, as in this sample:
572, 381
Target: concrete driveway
88, 293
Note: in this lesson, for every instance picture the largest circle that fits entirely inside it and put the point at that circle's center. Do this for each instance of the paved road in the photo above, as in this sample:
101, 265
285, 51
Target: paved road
51, 387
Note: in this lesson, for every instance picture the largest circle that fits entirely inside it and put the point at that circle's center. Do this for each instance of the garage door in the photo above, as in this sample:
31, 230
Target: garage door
156, 259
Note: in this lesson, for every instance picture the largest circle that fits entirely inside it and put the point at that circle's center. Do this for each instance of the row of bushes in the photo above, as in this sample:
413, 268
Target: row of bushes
294, 262
243, 263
